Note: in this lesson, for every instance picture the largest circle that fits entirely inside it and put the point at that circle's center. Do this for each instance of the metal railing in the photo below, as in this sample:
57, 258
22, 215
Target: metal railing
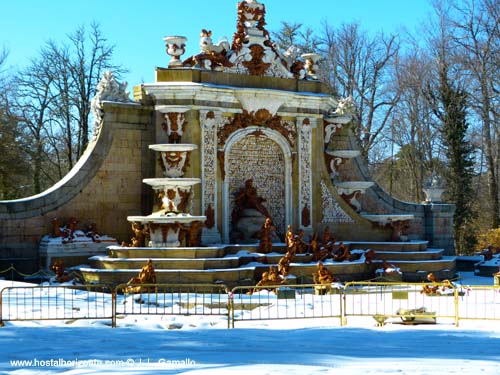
407, 302
170, 299
49, 302
479, 303
285, 302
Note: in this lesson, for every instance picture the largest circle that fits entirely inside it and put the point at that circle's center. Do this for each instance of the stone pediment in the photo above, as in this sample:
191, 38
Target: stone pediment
251, 52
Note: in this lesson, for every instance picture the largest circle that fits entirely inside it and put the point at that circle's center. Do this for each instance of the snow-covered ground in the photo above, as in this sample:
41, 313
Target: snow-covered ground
203, 345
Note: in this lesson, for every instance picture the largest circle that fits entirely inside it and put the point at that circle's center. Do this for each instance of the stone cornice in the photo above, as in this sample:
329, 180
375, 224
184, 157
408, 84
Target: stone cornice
230, 99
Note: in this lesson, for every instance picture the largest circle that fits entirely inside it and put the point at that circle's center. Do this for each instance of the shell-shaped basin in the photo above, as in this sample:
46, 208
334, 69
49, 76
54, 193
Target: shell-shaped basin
346, 154
163, 182
173, 147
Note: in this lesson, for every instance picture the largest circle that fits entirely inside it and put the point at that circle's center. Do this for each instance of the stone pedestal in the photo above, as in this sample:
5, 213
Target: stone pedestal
248, 226
210, 236
438, 226
72, 253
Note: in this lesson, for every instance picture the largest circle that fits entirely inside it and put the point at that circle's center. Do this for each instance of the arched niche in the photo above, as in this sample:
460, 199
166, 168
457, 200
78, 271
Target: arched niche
265, 156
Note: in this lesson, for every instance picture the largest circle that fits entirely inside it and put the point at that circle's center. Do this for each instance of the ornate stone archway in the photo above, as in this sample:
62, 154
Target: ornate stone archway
263, 155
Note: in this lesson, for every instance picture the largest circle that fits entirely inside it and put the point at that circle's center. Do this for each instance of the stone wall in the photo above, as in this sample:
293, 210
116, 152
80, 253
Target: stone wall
103, 188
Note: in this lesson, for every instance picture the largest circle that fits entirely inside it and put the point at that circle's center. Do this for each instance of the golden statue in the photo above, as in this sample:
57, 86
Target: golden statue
433, 289
289, 237
269, 278
147, 275
302, 247
323, 275
141, 235
284, 264
61, 275
273, 276
266, 244
343, 253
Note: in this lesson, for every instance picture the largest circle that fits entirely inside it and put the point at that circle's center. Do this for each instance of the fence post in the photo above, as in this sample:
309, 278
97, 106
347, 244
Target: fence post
230, 310
456, 306
1, 309
343, 306
113, 308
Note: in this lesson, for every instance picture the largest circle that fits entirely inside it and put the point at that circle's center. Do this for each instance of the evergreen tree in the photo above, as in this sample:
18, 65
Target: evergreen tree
459, 154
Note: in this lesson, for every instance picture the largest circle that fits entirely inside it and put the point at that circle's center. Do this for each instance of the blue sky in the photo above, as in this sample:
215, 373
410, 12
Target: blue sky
136, 28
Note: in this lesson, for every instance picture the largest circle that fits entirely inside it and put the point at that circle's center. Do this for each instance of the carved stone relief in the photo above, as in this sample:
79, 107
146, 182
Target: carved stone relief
332, 212
305, 179
210, 122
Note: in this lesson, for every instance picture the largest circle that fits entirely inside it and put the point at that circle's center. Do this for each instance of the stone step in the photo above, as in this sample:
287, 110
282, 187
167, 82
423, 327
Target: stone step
165, 263
230, 277
407, 266
429, 254
274, 258
251, 273
279, 247
171, 252
356, 270
410, 246
443, 274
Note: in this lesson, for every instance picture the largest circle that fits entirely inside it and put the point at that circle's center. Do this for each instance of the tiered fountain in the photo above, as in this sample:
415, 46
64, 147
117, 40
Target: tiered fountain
172, 223
173, 233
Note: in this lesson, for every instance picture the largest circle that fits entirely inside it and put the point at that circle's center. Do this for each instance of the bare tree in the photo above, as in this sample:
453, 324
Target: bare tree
54, 102
13, 164
92, 57
360, 66
477, 40
34, 98
412, 125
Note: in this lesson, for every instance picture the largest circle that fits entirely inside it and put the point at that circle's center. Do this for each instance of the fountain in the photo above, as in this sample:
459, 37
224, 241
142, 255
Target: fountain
172, 222
259, 118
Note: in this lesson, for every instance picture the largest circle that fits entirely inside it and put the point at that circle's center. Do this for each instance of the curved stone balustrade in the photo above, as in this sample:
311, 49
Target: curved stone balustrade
384, 219
349, 187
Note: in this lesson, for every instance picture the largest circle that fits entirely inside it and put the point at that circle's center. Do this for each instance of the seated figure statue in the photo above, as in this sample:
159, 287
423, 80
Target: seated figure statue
61, 275
147, 275
343, 253
323, 275
269, 278
247, 197
273, 276
302, 247
284, 264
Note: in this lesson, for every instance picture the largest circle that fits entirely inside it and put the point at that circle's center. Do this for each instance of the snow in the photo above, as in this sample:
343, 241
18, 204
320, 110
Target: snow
493, 262
201, 345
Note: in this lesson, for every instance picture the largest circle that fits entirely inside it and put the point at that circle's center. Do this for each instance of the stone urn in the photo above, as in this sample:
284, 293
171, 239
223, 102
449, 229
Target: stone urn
433, 194
175, 46
434, 189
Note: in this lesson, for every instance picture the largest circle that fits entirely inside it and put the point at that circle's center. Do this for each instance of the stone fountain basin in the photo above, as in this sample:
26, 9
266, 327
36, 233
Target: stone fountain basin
347, 154
339, 119
173, 147
384, 219
162, 182
166, 219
